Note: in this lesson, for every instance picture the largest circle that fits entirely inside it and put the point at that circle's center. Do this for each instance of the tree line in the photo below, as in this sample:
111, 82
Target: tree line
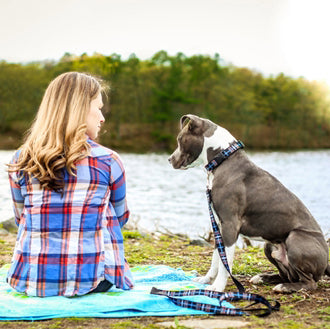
148, 97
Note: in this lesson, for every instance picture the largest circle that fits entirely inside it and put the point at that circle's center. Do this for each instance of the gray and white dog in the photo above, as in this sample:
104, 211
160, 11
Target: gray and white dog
249, 201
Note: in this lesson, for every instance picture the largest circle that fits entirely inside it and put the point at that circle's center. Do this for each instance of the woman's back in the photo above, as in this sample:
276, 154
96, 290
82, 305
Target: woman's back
69, 241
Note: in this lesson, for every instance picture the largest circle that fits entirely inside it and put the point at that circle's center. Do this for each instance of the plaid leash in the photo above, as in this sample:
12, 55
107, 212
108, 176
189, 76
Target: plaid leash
219, 243
221, 296
176, 296
222, 156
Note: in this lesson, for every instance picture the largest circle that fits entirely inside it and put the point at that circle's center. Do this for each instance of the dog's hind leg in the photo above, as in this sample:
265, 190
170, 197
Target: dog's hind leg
308, 284
307, 259
276, 254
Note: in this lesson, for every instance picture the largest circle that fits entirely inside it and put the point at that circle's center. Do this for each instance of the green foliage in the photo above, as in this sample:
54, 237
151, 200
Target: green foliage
166, 251
21, 90
131, 235
266, 112
251, 262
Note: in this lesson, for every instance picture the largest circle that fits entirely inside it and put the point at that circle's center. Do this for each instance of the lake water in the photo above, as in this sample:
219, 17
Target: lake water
161, 198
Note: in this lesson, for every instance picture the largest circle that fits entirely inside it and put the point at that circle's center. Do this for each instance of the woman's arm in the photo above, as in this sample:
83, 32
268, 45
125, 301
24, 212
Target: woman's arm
18, 200
118, 190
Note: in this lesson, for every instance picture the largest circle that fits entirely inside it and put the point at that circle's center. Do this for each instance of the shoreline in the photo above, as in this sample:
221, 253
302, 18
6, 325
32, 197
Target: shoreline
260, 139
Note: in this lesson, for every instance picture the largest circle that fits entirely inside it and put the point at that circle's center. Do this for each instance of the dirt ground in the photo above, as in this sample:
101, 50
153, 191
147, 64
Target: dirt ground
303, 309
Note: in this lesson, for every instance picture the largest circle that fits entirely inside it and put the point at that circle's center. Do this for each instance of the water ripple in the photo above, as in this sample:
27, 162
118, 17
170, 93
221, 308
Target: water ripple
161, 197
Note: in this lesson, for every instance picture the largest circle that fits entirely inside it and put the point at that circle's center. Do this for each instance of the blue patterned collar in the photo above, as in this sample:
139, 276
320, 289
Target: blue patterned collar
223, 155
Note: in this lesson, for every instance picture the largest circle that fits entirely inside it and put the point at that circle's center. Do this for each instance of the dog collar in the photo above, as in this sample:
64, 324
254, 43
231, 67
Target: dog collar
223, 155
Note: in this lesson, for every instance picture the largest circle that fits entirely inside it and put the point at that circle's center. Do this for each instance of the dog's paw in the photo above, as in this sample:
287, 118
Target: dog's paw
257, 279
202, 279
283, 288
287, 288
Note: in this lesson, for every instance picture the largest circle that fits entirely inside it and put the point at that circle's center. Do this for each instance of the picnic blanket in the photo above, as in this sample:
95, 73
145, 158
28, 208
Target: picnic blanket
115, 303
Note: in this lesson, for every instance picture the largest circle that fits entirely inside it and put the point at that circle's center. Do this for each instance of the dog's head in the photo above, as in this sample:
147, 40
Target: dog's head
198, 142
191, 141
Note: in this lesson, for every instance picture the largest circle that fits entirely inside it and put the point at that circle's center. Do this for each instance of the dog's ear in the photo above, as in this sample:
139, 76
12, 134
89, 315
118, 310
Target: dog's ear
193, 121
184, 120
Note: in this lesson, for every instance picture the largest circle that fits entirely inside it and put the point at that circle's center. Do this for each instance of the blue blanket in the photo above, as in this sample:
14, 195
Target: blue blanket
115, 303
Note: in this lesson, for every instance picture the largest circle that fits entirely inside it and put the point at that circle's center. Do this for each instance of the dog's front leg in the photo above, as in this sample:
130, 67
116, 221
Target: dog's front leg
217, 275
220, 281
213, 271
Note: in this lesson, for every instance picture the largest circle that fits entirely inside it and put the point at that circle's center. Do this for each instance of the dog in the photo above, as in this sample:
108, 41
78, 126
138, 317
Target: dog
247, 200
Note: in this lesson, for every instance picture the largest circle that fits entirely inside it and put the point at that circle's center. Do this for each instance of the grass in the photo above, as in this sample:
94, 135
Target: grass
303, 309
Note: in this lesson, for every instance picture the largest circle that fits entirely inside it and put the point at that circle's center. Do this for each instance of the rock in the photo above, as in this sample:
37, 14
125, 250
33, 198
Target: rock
3, 232
9, 225
207, 323
199, 242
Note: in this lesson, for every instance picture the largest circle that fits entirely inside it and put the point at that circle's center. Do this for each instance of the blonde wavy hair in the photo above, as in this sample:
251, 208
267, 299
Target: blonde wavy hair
57, 137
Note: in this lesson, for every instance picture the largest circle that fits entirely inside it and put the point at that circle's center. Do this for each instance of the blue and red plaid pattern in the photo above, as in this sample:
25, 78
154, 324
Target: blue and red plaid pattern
223, 155
67, 243
219, 242
221, 296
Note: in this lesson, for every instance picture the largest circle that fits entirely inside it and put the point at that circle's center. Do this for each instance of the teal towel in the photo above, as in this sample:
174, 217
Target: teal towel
115, 303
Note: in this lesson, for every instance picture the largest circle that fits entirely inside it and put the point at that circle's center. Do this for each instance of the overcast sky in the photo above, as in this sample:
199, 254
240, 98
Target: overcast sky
270, 36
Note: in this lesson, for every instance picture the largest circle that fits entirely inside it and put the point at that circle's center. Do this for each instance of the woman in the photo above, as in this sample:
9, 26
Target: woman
69, 197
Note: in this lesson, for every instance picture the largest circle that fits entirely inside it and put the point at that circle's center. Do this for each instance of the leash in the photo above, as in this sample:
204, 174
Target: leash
221, 157
219, 243
174, 296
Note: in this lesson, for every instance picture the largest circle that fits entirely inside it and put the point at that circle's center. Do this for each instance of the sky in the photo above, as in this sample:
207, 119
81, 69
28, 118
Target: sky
268, 36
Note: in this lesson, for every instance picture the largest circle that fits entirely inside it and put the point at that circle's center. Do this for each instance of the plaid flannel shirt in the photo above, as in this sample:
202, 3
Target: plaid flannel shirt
66, 244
